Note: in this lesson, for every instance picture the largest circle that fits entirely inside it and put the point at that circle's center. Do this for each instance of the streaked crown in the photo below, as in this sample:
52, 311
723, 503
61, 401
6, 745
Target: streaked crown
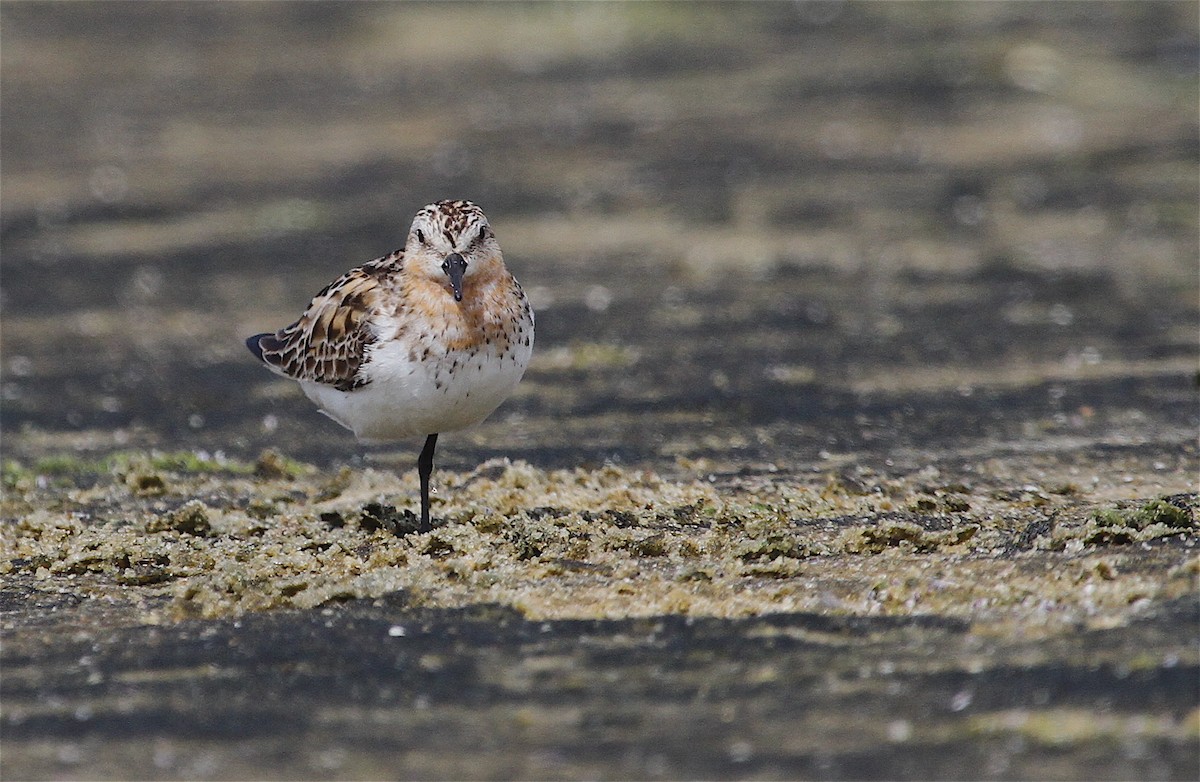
450, 226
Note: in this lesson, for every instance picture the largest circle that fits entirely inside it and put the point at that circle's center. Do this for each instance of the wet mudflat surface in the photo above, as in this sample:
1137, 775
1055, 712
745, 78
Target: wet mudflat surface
364, 689
860, 438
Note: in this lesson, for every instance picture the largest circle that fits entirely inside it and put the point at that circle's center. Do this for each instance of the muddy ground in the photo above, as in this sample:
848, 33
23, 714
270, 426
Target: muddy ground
860, 439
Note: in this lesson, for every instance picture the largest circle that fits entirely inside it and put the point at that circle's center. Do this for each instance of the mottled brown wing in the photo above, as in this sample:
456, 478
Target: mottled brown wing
327, 344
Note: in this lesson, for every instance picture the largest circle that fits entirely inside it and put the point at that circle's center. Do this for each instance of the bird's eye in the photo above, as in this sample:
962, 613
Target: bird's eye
420, 236
445, 267
483, 233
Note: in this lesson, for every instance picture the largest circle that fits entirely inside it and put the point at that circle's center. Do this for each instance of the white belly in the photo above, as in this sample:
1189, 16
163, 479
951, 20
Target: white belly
414, 398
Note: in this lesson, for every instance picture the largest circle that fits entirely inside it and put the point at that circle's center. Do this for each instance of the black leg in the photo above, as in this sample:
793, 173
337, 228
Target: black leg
424, 470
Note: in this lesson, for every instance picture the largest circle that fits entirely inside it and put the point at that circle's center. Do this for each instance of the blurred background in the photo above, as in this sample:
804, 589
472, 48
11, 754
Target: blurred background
767, 235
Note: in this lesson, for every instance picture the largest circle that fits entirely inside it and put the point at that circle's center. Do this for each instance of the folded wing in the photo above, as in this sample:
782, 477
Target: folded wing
327, 344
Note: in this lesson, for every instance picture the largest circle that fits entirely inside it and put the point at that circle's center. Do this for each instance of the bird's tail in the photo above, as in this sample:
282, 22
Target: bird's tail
254, 343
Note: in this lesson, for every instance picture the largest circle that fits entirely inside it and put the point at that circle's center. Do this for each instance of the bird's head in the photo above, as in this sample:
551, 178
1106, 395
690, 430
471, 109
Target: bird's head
450, 242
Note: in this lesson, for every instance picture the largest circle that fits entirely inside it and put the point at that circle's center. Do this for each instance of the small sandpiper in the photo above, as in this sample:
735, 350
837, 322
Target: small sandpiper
429, 339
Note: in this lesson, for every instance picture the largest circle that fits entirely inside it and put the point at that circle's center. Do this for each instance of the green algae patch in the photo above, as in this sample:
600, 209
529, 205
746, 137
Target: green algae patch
1061, 727
1155, 512
586, 543
1140, 523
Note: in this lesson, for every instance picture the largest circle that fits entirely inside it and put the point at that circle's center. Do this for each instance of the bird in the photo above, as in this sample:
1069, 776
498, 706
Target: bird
428, 339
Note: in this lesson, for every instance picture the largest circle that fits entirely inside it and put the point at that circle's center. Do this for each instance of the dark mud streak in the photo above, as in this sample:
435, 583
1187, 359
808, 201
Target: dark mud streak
259, 689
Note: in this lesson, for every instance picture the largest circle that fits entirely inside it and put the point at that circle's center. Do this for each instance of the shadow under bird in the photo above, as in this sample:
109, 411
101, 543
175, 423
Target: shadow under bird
429, 339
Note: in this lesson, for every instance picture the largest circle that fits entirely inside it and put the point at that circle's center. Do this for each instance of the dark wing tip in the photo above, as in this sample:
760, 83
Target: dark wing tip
255, 345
